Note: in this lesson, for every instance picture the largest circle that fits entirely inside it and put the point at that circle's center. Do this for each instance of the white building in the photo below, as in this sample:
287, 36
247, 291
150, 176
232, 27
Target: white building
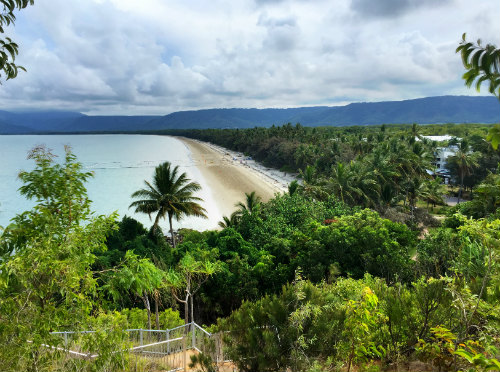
441, 156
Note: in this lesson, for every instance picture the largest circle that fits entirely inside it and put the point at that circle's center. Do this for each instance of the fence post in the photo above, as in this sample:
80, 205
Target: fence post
193, 336
184, 346
65, 340
168, 338
140, 337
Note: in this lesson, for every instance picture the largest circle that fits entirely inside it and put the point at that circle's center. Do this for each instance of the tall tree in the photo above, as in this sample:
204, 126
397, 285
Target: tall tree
464, 161
354, 184
231, 221
434, 192
171, 195
339, 183
252, 203
187, 278
139, 276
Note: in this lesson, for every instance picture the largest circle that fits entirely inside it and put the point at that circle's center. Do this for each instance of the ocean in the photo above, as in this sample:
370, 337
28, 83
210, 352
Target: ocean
120, 164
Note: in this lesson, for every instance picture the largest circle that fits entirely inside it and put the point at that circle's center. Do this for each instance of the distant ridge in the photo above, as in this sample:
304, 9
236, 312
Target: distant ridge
430, 110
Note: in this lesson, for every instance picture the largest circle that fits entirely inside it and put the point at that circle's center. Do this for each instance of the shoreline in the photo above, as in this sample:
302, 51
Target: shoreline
230, 175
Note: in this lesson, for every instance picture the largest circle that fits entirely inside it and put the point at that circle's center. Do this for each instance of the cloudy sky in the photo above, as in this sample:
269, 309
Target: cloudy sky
158, 56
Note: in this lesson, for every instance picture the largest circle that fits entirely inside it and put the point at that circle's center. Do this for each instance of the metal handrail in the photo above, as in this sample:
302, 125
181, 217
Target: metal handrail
135, 329
202, 329
155, 344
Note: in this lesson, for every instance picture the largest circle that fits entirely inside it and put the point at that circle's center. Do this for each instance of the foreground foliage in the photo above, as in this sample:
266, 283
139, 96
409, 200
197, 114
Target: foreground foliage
8, 48
46, 281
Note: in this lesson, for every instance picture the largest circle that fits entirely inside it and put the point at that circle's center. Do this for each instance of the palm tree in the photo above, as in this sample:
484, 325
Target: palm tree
416, 189
170, 194
341, 183
464, 162
434, 191
365, 180
231, 221
309, 175
415, 133
353, 184
384, 171
293, 187
251, 205
483, 65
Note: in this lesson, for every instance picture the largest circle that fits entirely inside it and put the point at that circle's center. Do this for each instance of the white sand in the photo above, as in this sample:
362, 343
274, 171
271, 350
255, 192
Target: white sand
230, 175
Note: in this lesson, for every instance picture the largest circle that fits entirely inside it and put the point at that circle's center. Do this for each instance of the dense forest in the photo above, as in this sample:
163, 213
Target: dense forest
377, 167
351, 267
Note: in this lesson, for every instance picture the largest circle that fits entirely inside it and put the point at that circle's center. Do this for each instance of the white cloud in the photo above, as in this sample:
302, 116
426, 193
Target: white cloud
158, 56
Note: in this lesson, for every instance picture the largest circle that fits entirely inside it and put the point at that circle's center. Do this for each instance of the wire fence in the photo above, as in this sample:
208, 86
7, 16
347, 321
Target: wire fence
149, 349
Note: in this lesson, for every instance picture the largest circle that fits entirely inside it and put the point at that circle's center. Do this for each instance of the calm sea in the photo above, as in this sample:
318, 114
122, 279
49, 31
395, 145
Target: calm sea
120, 164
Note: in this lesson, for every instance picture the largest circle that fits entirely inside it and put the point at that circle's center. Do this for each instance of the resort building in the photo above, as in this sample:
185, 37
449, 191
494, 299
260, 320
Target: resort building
440, 157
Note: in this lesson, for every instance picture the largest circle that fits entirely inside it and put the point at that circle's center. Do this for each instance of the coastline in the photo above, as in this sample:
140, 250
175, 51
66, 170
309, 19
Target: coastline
229, 175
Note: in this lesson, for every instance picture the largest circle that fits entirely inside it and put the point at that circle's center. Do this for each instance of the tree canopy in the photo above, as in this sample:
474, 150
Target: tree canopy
170, 194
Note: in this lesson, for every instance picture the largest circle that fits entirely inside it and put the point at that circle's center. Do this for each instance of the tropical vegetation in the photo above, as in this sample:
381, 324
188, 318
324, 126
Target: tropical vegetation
347, 270
171, 195
310, 280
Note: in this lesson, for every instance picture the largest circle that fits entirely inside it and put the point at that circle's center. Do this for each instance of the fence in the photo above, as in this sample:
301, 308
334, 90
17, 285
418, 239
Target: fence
168, 349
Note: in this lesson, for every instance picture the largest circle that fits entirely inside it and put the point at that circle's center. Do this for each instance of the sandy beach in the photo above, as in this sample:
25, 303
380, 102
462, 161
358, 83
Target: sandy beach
230, 175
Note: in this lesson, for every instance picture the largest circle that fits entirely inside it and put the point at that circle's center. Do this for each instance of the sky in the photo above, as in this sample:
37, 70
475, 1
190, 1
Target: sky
154, 57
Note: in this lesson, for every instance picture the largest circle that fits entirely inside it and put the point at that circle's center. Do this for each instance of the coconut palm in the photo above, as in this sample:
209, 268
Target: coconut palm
251, 205
341, 185
170, 194
293, 187
365, 180
483, 65
415, 189
434, 192
353, 184
309, 175
232, 221
384, 171
464, 161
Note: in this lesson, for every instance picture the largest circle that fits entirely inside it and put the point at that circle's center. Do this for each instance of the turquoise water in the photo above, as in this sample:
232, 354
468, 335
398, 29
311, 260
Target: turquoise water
120, 164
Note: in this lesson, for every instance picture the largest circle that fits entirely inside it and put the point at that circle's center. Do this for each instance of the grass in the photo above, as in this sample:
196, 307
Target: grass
438, 210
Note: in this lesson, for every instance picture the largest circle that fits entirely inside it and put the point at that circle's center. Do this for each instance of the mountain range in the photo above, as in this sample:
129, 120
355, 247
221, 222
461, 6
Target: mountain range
430, 110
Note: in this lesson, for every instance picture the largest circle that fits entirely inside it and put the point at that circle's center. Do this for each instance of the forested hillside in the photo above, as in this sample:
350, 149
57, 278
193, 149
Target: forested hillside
430, 110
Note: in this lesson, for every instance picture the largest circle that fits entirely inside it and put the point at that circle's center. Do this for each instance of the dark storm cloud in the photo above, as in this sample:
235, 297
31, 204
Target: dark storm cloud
392, 8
